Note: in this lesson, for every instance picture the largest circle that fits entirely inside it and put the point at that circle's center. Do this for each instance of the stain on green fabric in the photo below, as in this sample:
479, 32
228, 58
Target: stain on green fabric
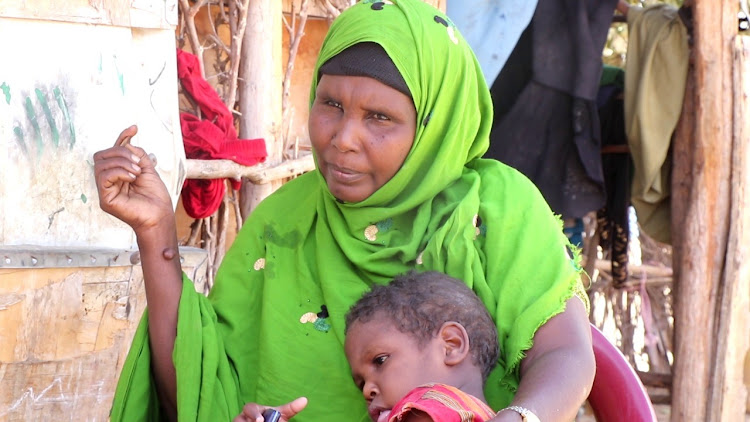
288, 240
321, 324
385, 224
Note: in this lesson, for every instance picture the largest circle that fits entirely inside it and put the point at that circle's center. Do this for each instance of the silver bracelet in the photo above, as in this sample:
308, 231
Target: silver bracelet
526, 414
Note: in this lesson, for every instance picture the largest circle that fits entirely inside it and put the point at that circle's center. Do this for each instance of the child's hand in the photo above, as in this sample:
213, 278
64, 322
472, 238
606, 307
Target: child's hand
253, 412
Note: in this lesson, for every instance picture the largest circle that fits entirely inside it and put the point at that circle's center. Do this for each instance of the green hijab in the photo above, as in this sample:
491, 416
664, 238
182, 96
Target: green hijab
272, 328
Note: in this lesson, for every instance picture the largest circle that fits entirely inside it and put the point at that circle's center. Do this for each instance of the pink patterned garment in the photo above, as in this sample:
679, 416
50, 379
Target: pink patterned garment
442, 403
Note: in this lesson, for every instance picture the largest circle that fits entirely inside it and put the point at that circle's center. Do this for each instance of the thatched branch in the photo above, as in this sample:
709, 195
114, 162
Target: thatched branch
188, 13
294, 40
238, 24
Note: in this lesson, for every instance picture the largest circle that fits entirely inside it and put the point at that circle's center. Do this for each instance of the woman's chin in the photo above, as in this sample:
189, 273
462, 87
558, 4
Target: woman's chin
348, 195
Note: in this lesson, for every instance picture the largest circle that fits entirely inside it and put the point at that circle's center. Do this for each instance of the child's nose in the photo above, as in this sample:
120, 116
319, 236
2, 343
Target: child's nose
370, 391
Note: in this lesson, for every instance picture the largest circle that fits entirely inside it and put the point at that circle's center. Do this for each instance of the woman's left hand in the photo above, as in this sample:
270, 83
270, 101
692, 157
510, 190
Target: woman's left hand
253, 412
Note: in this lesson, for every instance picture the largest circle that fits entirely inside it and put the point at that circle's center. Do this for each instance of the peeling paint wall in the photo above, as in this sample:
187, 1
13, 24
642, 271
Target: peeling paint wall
65, 332
73, 75
66, 92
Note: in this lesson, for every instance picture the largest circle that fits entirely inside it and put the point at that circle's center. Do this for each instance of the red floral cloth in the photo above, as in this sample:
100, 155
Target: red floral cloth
443, 403
213, 137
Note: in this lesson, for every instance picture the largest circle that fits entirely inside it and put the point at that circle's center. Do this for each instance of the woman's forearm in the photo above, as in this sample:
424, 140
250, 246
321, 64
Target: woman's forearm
162, 275
558, 371
556, 386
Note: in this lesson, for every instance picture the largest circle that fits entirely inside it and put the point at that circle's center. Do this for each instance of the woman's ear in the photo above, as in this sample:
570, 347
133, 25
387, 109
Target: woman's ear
455, 341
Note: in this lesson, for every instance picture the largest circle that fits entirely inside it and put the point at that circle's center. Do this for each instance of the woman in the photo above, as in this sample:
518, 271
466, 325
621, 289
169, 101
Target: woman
399, 185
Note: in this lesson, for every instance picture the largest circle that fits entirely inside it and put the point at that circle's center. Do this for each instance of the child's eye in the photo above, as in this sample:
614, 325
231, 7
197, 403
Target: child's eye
379, 360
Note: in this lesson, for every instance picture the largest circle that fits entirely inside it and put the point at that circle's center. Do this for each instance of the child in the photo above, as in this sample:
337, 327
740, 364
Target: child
420, 349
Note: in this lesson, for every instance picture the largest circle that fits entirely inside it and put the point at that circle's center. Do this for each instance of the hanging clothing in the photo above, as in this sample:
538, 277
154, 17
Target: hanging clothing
443, 403
613, 220
491, 28
655, 77
546, 120
212, 137
272, 328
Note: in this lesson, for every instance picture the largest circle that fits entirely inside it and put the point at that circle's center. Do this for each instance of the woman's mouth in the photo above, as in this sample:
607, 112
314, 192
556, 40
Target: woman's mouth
342, 174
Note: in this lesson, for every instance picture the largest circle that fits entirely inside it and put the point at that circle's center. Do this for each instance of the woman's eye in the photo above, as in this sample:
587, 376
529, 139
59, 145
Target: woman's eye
379, 360
379, 116
332, 103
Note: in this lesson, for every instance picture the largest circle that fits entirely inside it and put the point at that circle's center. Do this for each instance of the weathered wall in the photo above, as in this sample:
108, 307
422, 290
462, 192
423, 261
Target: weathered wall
65, 329
73, 75
66, 91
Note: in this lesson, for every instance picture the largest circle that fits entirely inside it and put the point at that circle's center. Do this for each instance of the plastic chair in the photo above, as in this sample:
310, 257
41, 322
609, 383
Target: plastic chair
617, 394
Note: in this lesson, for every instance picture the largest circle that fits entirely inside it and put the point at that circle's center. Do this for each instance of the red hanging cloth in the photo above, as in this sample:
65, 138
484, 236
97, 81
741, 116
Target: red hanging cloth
213, 137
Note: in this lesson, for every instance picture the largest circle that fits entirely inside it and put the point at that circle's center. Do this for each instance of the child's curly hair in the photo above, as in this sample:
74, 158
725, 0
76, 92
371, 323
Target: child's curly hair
418, 304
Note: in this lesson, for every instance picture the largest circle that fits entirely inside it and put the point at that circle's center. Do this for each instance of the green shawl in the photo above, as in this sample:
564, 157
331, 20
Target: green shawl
272, 328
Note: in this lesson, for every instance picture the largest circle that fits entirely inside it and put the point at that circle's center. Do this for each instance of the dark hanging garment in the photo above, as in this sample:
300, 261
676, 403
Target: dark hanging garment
546, 120
613, 220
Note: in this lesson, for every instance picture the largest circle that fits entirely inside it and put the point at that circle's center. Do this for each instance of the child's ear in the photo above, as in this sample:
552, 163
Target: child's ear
455, 342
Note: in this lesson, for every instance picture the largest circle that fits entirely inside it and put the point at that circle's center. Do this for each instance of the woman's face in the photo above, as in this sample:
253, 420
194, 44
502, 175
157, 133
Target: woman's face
361, 130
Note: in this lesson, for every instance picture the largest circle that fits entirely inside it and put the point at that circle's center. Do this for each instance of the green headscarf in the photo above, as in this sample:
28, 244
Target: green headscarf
273, 326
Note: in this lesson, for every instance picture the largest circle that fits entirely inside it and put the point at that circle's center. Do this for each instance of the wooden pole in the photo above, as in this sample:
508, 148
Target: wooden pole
730, 393
260, 91
702, 189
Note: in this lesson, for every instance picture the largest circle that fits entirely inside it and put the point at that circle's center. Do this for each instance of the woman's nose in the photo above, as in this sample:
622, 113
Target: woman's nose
346, 136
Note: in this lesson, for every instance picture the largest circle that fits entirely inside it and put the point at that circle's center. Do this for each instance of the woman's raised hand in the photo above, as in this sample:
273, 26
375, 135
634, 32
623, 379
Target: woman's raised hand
253, 412
129, 186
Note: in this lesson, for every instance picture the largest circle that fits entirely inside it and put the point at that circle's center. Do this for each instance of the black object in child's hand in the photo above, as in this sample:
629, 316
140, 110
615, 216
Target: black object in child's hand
271, 415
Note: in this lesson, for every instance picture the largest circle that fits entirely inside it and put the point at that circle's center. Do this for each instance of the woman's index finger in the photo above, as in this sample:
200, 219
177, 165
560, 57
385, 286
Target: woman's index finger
126, 135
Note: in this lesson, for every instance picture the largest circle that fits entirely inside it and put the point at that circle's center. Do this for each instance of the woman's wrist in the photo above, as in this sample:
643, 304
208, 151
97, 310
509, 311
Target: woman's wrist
164, 232
506, 415
525, 414
159, 240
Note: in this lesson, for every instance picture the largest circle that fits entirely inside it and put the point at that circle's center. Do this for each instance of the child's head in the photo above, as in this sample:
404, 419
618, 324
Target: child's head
416, 330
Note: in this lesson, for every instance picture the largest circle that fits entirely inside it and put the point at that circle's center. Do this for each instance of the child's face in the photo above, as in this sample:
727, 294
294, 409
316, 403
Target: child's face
386, 363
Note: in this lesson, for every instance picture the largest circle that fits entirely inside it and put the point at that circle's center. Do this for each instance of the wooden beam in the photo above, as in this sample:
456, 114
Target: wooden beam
702, 188
652, 379
317, 9
322, 8
258, 174
660, 398
650, 271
